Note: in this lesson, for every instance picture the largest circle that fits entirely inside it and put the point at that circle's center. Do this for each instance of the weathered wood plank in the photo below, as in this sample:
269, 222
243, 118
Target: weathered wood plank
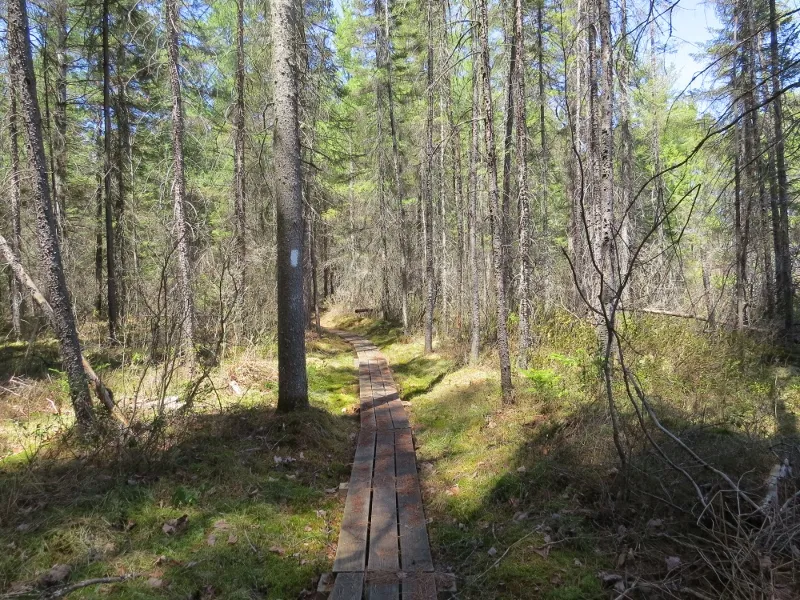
383, 591
348, 586
367, 415
392, 396
383, 415
352, 548
414, 545
383, 549
419, 586
383, 586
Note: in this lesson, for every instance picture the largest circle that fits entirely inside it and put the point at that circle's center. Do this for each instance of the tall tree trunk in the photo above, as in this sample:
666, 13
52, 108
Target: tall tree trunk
292, 378
783, 262
16, 222
399, 188
543, 158
59, 137
122, 112
380, 60
606, 193
239, 206
181, 226
24, 81
495, 208
508, 137
472, 217
430, 295
520, 118
111, 288
627, 160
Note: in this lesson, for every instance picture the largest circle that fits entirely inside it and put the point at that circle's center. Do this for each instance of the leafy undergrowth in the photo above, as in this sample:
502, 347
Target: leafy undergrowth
229, 500
526, 501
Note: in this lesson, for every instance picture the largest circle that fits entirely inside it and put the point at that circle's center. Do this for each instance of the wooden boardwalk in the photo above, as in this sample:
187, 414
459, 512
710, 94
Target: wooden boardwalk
383, 551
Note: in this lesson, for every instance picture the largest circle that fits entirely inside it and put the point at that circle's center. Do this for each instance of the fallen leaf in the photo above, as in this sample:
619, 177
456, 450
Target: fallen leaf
308, 528
277, 550
222, 524
175, 525
232, 539
492, 551
155, 582
211, 540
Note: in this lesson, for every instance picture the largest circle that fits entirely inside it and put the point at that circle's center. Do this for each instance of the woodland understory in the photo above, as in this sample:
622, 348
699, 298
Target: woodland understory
582, 276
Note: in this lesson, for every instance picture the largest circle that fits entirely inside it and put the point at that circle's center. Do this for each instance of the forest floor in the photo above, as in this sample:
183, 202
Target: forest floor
228, 501
231, 500
526, 500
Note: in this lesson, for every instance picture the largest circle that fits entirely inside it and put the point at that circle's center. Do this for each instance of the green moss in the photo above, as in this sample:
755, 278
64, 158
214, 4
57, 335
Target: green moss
255, 528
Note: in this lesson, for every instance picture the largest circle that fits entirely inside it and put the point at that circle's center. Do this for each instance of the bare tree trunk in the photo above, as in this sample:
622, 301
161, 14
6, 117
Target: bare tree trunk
508, 137
113, 311
399, 188
292, 378
626, 150
783, 262
430, 297
98, 233
60, 120
472, 217
606, 288
495, 208
63, 320
543, 158
380, 60
239, 205
181, 226
123, 165
520, 118
16, 223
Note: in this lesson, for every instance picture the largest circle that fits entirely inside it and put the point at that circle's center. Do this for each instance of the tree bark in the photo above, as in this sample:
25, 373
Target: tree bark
472, 216
495, 208
59, 136
783, 262
508, 137
430, 294
123, 158
181, 226
520, 118
239, 204
292, 378
111, 287
50, 253
397, 171
16, 223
